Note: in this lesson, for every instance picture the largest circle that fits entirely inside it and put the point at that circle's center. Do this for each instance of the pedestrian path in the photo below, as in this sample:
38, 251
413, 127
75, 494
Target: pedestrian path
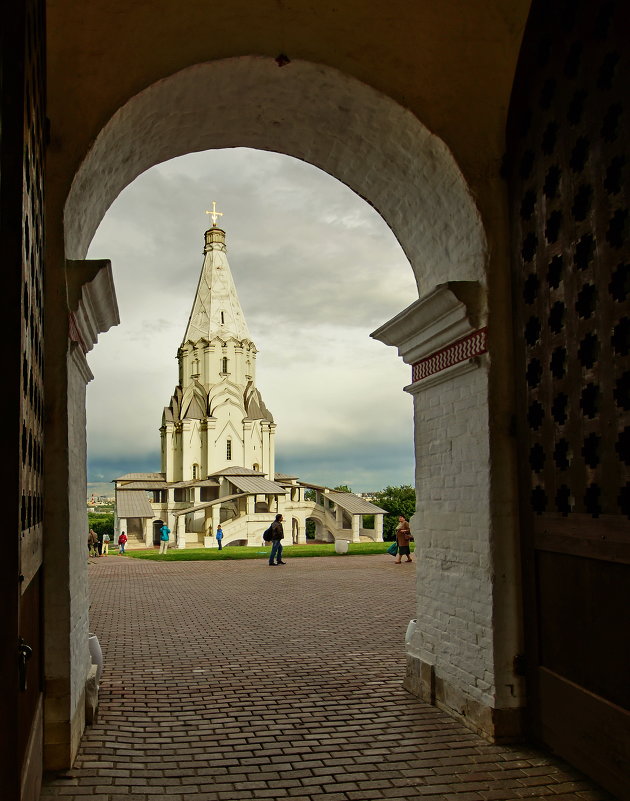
227, 681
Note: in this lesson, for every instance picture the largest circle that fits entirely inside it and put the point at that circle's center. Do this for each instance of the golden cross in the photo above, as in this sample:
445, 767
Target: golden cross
214, 214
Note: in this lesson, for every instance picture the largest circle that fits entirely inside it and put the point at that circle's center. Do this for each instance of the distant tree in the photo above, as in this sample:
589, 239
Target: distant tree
309, 495
310, 529
342, 488
102, 524
397, 501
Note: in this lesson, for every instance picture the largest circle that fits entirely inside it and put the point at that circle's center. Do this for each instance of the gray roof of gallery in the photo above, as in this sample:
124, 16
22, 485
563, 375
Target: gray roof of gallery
257, 485
133, 503
237, 471
353, 504
141, 477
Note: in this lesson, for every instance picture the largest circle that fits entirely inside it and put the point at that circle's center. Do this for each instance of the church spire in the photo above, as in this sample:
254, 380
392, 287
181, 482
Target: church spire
216, 309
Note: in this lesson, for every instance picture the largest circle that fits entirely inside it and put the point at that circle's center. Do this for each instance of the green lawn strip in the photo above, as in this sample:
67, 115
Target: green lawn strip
245, 552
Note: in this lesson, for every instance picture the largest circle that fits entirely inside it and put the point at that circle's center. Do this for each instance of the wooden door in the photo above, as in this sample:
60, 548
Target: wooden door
568, 165
21, 355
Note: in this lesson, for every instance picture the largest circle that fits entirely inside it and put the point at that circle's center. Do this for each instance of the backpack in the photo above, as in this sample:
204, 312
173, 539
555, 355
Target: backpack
267, 534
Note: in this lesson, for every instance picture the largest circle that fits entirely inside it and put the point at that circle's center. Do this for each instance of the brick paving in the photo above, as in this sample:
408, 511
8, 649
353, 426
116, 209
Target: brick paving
227, 681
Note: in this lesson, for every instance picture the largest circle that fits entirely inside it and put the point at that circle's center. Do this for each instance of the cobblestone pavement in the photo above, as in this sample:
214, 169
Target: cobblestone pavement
227, 681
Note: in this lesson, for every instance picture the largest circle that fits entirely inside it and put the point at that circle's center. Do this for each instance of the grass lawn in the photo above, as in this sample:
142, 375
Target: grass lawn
245, 552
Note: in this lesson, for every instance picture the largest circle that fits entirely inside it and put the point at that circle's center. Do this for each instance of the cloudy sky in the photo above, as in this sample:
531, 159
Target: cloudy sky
316, 269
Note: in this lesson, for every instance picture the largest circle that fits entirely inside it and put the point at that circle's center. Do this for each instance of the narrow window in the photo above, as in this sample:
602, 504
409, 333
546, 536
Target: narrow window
222, 318
195, 472
224, 370
228, 450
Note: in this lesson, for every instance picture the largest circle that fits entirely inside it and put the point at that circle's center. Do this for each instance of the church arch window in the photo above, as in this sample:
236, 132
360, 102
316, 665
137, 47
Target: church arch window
195, 472
256, 466
222, 318
228, 450
224, 364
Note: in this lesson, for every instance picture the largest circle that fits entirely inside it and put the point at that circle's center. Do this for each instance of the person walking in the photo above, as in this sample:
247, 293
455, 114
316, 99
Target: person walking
92, 542
164, 533
106, 541
220, 537
277, 535
122, 541
403, 538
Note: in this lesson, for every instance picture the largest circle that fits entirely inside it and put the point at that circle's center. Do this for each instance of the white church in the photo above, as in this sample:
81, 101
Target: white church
218, 443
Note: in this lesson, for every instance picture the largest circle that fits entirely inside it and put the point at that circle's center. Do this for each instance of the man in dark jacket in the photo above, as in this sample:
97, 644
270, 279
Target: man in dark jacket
277, 533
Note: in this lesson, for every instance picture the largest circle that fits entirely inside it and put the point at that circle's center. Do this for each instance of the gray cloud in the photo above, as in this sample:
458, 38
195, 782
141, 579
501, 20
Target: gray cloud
316, 269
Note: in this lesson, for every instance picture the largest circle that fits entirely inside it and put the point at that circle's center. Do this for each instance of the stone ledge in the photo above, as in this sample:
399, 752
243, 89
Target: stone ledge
443, 316
496, 725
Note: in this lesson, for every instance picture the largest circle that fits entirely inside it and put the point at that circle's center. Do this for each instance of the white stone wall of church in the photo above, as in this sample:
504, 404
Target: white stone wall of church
452, 532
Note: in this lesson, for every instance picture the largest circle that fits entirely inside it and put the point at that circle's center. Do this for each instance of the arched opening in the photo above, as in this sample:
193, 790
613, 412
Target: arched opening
254, 104
295, 529
157, 525
385, 155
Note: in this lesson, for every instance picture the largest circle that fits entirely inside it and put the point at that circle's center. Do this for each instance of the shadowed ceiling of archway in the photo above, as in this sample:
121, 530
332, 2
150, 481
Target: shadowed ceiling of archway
316, 114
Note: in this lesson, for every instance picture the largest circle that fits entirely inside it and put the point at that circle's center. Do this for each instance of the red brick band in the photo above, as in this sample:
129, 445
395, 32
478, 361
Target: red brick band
466, 348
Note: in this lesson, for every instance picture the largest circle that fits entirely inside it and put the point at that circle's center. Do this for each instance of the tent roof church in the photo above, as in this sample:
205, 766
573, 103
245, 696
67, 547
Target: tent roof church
218, 440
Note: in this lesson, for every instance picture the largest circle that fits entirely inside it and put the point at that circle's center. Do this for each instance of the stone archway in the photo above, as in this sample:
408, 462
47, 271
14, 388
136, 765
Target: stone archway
308, 111
389, 158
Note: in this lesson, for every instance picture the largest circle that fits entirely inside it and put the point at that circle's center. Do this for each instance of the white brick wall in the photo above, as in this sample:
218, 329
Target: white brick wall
451, 528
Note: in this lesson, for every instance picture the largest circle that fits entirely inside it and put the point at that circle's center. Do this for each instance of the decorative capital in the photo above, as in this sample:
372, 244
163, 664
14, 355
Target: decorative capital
443, 329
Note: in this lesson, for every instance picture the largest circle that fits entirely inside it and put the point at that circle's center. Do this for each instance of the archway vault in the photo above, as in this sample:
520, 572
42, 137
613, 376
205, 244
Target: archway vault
305, 110
388, 157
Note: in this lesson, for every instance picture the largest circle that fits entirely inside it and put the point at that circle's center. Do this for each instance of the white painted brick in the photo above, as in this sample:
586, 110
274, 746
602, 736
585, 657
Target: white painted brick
452, 533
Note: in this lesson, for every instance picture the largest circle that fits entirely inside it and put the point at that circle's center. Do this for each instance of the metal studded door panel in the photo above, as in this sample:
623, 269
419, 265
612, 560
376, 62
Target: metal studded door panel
568, 169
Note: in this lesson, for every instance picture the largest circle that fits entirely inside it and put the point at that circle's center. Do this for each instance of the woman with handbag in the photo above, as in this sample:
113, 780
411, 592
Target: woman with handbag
403, 538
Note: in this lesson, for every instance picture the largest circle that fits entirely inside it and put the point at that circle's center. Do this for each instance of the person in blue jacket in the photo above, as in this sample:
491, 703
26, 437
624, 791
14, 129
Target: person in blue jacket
220, 537
164, 533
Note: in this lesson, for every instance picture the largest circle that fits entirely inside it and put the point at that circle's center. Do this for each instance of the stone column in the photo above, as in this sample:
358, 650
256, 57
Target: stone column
187, 457
272, 451
301, 531
378, 528
180, 534
461, 655
148, 532
265, 460
216, 518
356, 528
91, 309
248, 447
166, 438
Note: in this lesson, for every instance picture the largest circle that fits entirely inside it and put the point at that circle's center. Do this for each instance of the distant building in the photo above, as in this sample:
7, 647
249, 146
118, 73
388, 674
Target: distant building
217, 443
